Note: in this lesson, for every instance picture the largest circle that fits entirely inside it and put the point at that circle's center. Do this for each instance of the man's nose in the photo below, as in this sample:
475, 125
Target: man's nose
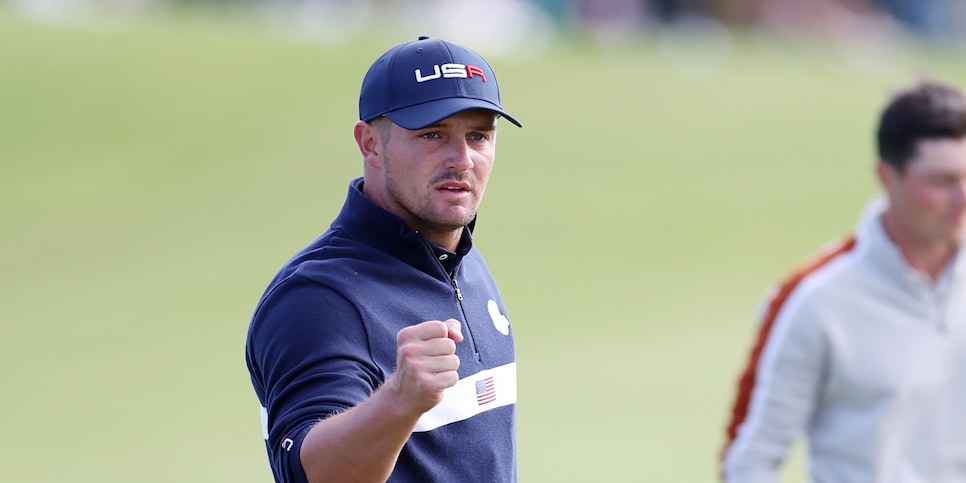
459, 156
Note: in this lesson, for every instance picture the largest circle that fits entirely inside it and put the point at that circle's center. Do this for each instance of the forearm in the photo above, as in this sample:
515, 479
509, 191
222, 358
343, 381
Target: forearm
359, 445
777, 393
363, 443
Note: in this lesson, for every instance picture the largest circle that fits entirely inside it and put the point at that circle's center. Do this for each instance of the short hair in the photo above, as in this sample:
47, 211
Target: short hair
927, 110
383, 126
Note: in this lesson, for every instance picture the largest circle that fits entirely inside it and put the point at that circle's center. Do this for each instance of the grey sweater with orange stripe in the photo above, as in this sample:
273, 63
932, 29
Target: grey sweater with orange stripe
867, 358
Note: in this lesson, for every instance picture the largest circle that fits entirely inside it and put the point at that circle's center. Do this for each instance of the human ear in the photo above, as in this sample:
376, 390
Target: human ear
368, 140
888, 175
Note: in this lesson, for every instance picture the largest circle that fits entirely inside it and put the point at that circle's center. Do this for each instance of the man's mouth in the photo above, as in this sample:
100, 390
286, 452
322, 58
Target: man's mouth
454, 187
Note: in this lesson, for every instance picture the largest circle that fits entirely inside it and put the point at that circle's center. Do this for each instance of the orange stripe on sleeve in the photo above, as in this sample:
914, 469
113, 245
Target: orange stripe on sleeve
748, 377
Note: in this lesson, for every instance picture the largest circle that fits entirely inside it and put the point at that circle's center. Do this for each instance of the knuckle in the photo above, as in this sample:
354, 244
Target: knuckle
426, 382
409, 351
436, 329
449, 346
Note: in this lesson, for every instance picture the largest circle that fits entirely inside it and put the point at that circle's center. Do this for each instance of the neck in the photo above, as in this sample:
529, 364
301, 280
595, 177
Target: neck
922, 254
445, 238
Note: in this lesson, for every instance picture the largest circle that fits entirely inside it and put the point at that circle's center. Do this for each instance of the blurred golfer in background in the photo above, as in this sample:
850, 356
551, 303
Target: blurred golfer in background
863, 349
383, 350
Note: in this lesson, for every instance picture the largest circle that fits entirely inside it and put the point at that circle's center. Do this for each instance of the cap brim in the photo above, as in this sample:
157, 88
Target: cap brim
429, 113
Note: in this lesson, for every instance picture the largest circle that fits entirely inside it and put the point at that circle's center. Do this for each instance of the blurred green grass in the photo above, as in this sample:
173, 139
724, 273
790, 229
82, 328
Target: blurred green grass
155, 176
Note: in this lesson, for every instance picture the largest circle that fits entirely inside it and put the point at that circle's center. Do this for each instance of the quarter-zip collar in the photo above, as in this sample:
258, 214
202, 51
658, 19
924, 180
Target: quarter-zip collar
364, 221
872, 232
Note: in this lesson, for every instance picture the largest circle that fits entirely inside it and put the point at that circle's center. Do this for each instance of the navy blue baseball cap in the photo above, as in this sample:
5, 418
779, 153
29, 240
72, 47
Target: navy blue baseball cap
419, 83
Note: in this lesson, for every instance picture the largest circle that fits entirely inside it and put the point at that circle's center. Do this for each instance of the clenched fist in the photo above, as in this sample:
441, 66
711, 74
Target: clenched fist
426, 363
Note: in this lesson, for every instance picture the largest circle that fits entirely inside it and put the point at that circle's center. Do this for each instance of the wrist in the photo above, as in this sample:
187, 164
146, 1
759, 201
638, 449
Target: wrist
395, 404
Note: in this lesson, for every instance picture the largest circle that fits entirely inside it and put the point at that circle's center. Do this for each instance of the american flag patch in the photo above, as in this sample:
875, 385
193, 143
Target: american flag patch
485, 391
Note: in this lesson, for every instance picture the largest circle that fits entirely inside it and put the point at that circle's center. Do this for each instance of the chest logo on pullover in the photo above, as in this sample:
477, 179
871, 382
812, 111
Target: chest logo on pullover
500, 321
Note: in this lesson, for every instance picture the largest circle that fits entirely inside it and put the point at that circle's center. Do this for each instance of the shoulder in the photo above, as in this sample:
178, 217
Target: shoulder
331, 261
298, 304
301, 320
811, 284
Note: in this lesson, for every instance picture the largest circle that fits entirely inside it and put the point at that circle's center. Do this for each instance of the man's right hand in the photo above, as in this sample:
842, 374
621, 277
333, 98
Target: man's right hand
426, 364
368, 437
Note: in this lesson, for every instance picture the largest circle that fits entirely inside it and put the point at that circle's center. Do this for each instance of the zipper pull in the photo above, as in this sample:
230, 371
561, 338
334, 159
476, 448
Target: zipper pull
459, 295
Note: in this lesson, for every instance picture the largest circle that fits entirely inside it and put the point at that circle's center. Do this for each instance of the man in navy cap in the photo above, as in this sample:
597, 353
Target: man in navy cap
382, 351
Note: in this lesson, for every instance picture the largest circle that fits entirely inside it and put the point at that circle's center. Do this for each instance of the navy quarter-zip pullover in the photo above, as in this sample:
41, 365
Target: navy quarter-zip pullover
323, 339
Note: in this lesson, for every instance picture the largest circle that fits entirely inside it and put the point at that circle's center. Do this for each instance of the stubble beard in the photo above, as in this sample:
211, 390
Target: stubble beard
425, 215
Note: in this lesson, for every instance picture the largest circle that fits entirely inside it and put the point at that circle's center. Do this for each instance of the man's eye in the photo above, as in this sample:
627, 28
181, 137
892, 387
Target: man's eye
478, 137
431, 135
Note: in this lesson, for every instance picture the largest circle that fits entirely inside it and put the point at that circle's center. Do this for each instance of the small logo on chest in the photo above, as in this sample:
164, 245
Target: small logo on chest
500, 321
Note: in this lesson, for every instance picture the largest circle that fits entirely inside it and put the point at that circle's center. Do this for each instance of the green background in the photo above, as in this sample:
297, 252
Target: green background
154, 176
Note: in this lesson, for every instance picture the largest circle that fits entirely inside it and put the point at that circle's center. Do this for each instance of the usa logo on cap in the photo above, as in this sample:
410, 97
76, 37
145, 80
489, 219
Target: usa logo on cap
452, 70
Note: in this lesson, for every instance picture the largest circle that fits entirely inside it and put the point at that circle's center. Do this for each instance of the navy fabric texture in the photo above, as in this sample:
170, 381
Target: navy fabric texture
323, 338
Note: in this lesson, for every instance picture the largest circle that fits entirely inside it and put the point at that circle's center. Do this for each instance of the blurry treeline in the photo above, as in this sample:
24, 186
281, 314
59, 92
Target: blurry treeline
607, 21
930, 18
